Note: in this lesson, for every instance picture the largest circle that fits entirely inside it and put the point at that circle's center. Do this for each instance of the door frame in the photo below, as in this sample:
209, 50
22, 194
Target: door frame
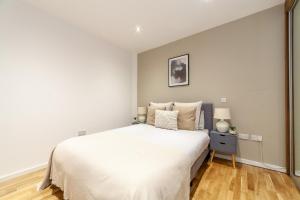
289, 95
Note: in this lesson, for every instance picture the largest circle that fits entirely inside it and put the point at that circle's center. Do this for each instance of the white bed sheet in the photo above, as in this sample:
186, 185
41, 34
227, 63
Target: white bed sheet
138, 162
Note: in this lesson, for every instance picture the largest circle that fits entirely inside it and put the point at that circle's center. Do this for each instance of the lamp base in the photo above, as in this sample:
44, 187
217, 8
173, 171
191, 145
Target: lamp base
142, 118
222, 126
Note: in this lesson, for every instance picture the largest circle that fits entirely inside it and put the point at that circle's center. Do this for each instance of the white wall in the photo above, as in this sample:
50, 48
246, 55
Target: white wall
55, 80
134, 85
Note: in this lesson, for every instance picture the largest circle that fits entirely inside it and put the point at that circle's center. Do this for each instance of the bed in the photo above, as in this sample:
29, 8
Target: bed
138, 162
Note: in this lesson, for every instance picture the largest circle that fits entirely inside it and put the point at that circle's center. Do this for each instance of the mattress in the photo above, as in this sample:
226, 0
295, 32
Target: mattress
138, 162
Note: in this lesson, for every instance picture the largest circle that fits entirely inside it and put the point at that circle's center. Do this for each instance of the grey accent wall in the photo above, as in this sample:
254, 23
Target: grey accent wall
243, 61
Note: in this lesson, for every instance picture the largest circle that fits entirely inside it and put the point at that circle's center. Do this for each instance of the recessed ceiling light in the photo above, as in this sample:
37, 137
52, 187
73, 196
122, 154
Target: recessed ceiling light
207, 1
138, 28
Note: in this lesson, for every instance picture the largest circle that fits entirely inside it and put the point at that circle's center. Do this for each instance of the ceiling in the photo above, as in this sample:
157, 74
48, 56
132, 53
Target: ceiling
161, 21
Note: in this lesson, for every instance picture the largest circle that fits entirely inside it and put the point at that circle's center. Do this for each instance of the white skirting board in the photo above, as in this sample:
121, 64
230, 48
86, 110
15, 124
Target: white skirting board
22, 172
297, 173
255, 163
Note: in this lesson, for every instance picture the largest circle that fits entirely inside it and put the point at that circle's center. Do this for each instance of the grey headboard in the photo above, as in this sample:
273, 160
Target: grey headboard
208, 115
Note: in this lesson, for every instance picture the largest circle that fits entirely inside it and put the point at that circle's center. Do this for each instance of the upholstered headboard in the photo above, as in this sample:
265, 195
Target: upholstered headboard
208, 115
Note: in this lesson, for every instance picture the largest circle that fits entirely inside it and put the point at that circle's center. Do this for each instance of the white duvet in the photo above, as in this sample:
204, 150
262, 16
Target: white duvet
138, 162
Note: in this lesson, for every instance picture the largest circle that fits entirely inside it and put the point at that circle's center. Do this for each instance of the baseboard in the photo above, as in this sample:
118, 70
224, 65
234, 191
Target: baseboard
22, 172
255, 163
297, 172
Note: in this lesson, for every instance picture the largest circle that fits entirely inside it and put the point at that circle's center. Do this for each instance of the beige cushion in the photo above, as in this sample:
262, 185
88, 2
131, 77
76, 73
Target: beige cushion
186, 117
198, 106
168, 105
166, 119
151, 114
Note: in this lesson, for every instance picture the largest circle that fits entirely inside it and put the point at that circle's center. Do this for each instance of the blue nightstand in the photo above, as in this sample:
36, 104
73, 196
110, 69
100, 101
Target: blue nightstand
224, 143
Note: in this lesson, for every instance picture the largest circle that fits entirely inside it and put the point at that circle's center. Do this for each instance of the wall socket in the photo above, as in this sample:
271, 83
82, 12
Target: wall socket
81, 133
252, 137
243, 136
257, 138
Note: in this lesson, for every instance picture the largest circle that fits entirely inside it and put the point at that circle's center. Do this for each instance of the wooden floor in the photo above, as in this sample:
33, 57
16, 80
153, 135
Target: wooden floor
217, 181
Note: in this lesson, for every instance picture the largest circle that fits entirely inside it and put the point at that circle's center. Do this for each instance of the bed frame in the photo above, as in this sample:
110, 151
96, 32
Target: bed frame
208, 124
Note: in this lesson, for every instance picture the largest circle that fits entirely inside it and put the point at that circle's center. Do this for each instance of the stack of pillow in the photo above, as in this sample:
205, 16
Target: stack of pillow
185, 116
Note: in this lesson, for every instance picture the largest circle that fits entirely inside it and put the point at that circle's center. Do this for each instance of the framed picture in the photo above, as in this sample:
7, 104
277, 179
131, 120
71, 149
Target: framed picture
179, 71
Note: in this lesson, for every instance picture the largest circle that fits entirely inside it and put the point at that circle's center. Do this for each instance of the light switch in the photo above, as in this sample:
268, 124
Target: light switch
223, 99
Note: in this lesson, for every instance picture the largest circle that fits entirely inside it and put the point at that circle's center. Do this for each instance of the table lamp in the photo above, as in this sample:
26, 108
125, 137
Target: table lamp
142, 111
222, 114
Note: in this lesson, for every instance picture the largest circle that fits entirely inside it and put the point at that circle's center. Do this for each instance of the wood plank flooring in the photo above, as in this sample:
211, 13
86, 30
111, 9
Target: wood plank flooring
218, 181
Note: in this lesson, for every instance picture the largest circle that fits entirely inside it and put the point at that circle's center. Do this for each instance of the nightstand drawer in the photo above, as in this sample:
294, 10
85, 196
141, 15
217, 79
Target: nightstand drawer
223, 147
223, 137
223, 142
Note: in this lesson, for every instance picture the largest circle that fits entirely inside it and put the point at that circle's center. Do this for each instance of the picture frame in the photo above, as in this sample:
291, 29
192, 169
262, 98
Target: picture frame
178, 71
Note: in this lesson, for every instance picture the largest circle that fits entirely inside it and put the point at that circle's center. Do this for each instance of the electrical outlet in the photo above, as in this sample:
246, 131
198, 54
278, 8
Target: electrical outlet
260, 138
257, 138
243, 136
81, 133
223, 99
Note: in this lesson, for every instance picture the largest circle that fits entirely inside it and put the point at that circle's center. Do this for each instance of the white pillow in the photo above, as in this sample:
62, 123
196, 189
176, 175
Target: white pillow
202, 121
197, 104
166, 119
168, 105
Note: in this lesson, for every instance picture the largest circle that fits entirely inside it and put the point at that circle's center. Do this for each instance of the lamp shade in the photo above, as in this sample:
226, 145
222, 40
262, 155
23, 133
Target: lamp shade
222, 113
142, 111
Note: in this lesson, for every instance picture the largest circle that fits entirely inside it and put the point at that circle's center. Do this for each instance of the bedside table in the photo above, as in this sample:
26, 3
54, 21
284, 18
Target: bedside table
223, 143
